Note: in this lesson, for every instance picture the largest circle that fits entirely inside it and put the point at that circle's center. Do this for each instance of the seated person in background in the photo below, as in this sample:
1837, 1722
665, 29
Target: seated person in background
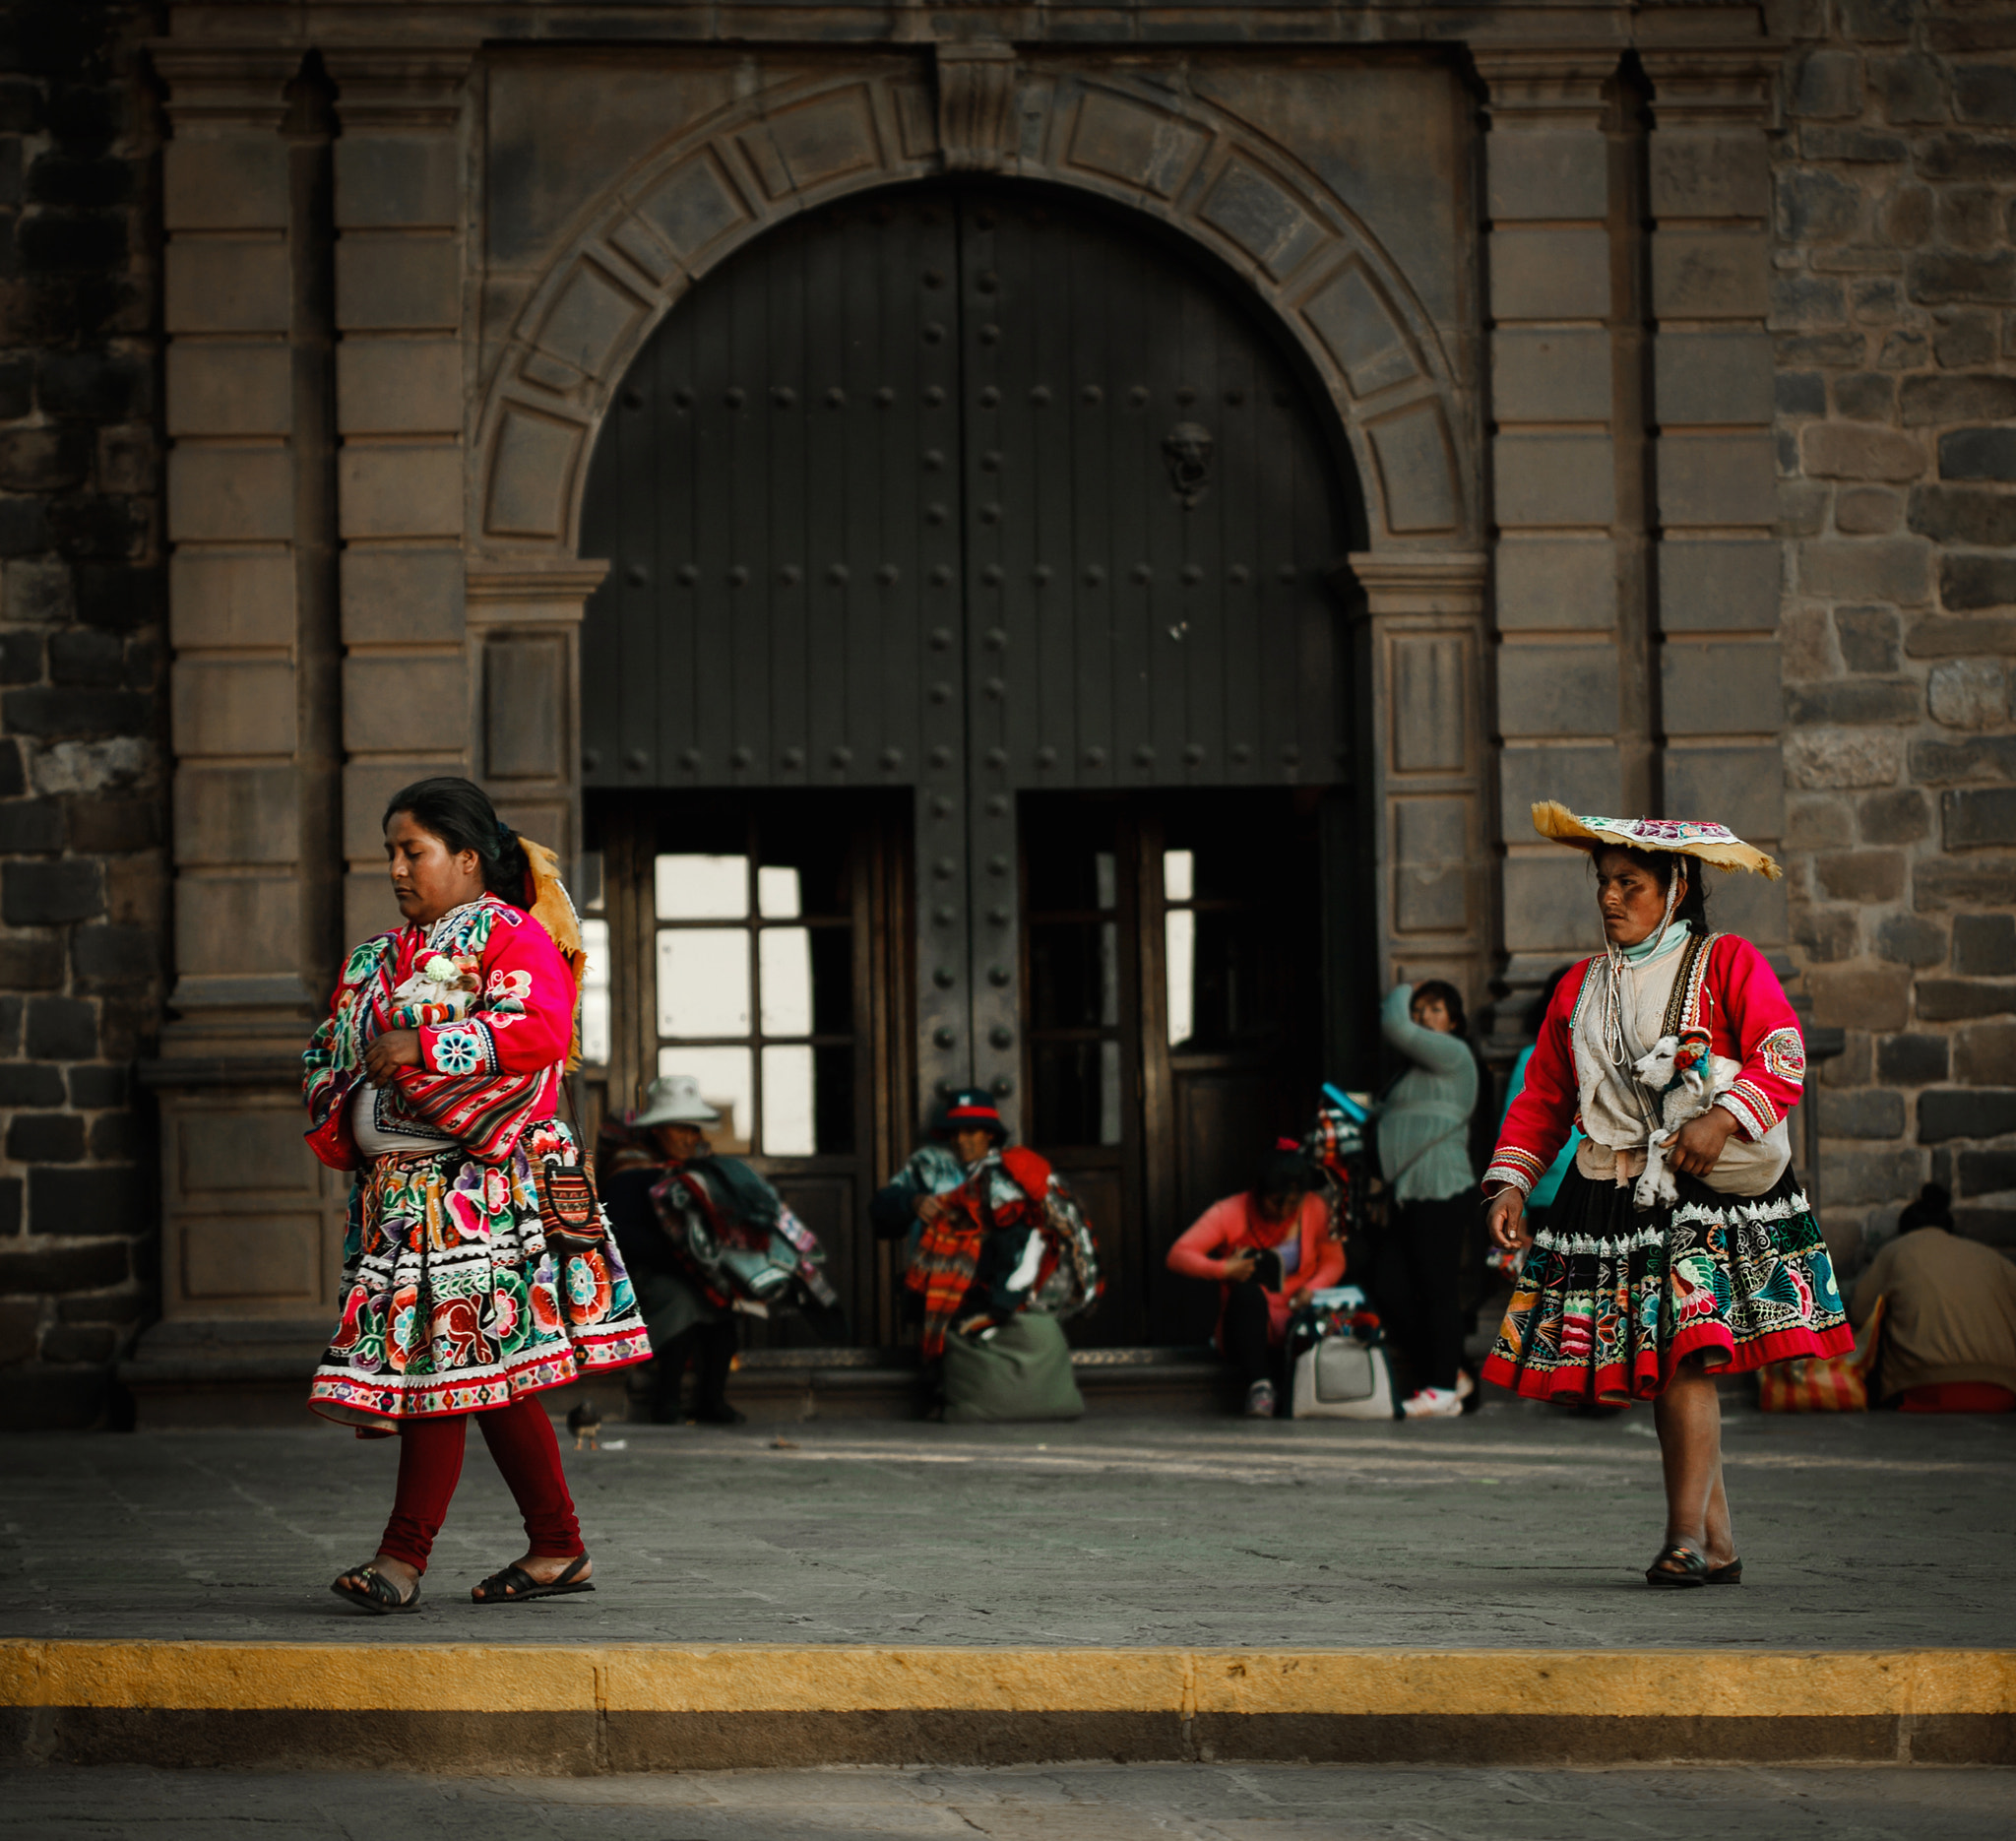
966, 1132
1541, 1195
1006, 1237
1266, 1248
1949, 1316
711, 1238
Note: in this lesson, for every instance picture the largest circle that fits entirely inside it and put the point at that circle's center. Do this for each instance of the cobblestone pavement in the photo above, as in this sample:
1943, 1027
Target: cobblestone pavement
1072, 1803
1519, 1527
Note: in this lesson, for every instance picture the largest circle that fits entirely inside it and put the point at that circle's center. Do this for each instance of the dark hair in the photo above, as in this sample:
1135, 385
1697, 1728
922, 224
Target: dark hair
1451, 1000
1537, 1015
1283, 1172
1932, 1209
458, 813
1659, 865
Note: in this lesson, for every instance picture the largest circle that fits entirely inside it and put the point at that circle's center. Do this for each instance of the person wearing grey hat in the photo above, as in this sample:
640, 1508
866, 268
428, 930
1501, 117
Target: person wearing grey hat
712, 1241
666, 1130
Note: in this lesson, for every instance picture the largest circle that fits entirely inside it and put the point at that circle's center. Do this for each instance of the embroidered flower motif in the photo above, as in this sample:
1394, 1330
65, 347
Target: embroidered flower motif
509, 985
441, 970
459, 1051
1784, 1054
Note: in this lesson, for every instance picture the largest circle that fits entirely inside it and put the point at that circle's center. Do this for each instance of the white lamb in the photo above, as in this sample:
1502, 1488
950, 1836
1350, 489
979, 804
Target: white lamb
1680, 1074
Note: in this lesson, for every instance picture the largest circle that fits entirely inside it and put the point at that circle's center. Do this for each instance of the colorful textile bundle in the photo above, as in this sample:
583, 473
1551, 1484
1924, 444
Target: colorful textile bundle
1014, 1230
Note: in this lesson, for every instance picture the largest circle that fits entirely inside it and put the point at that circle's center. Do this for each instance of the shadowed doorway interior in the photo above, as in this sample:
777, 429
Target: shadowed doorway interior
975, 572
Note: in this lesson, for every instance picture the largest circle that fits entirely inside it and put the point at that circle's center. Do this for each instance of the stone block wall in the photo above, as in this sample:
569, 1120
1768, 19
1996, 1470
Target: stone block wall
83, 817
1893, 317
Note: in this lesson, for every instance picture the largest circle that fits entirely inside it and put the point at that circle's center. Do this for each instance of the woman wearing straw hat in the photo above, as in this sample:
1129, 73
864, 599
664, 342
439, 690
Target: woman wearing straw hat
1678, 1246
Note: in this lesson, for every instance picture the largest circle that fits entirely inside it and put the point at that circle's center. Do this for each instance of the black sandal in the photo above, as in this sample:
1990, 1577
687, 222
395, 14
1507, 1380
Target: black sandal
1677, 1567
514, 1585
377, 1595
1731, 1574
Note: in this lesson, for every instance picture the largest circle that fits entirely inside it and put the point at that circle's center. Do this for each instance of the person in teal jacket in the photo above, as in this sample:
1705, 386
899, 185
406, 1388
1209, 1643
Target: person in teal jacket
1423, 1141
1542, 1192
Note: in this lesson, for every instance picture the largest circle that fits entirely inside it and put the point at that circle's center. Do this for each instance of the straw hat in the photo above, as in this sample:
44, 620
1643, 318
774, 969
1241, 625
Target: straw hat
1678, 837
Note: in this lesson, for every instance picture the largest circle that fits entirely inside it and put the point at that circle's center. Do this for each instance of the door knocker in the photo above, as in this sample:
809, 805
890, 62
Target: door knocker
1188, 449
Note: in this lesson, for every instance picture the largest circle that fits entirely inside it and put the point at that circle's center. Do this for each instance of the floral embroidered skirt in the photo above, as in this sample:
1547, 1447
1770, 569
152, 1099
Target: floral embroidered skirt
1610, 1296
452, 1303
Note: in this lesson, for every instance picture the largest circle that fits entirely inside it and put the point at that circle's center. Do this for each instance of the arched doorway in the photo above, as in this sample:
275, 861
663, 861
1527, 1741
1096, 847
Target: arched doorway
968, 703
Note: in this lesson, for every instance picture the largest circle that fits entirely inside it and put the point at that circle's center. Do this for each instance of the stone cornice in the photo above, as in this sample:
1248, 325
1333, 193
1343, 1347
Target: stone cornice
1548, 85
243, 87
399, 86
1713, 85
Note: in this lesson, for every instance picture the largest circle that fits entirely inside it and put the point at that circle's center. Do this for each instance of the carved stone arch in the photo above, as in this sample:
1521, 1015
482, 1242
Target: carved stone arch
812, 139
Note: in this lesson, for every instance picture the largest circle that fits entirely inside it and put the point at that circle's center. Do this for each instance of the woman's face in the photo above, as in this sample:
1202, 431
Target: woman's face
1629, 898
1433, 1013
971, 1144
1279, 1207
679, 1142
428, 877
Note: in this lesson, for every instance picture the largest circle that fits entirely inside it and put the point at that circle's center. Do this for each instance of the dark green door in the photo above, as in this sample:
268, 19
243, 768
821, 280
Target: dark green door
975, 491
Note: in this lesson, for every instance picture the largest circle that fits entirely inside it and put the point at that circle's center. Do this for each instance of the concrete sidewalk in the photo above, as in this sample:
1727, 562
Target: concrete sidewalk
1521, 1528
1462, 1591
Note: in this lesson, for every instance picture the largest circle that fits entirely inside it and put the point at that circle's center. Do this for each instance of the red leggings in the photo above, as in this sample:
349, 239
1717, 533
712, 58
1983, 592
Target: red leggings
521, 1438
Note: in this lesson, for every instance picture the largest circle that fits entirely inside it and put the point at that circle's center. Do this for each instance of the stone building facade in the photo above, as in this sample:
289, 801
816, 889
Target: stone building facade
1663, 358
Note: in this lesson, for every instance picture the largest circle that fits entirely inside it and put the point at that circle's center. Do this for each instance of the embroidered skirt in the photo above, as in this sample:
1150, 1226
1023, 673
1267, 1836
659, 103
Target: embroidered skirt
1610, 1296
450, 1302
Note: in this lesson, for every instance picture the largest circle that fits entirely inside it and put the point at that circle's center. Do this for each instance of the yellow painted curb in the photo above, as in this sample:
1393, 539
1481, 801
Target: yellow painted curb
479, 1677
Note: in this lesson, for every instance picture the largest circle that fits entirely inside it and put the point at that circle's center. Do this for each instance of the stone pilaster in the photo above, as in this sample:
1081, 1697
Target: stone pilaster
252, 1228
1572, 674
1422, 654
399, 393
1720, 700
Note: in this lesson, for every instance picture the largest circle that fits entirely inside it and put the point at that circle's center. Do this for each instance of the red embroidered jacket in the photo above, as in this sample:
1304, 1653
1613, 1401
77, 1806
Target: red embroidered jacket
484, 1077
1750, 1020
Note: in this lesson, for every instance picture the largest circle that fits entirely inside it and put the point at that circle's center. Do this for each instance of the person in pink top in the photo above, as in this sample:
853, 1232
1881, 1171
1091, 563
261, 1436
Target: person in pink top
1265, 1248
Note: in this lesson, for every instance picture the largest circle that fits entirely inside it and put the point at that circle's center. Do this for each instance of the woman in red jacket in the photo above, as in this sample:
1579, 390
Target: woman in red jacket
435, 1079
1266, 1248
1679, 1245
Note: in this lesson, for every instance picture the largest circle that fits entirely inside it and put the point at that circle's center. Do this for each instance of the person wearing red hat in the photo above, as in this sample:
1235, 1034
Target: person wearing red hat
1679, 1245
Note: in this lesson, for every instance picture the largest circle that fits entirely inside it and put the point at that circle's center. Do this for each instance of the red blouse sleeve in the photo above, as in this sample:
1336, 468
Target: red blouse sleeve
523, 1019
1752, 1021
1196, 1252
1538, 1120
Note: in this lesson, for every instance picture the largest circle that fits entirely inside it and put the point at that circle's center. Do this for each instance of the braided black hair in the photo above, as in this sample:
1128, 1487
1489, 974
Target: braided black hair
458, 813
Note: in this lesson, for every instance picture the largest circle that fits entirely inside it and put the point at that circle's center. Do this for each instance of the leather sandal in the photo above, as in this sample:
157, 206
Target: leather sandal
1677, 1567
1731, 1574
514, 1585
377, 1594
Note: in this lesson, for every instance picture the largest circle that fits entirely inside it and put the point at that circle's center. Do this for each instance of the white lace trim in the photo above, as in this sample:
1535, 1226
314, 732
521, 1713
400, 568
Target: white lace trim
1756, 1212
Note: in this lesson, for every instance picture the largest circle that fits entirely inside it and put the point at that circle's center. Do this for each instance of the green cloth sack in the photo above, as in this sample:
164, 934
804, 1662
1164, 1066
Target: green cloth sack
1023, 1371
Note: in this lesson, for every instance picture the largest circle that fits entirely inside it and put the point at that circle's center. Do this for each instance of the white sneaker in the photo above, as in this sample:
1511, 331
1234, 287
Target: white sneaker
1260, 1400
1434, 1402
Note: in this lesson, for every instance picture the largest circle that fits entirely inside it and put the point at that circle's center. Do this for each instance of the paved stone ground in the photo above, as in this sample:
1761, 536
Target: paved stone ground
1518, 1527
1073, 1802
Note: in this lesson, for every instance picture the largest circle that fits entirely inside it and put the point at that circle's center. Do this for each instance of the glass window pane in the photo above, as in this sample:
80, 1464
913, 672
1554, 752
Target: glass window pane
1178, 875
808, 1102
1073, 975
701, 888
1179, 936
1075, 1093
726, 1078
788, 1102
787, 962
703, 981
833, 981
1070, 864
778, 896
806, 846
594, 993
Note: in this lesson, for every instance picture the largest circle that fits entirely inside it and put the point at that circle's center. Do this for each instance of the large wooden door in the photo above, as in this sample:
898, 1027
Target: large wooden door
975, 493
